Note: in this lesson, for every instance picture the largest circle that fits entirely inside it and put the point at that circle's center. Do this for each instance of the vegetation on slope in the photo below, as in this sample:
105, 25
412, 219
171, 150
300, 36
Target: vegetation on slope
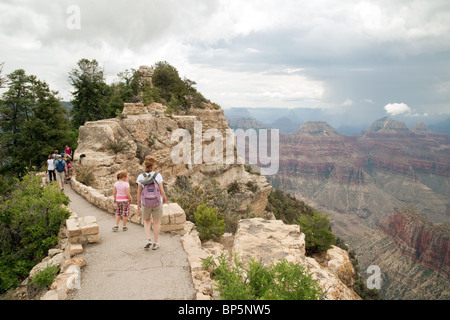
30, 220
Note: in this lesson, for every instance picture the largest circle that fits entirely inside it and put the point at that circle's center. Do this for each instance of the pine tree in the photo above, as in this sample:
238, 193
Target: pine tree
90, 101
15, 108
46, 129
32, 123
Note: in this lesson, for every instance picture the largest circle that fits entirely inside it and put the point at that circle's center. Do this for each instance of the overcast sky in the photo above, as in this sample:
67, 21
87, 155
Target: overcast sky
347, 55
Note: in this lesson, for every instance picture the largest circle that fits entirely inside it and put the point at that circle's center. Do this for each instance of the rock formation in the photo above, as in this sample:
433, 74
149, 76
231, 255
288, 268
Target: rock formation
113, 145
360, 181
145, 73
272, 240
367, 176
417, 238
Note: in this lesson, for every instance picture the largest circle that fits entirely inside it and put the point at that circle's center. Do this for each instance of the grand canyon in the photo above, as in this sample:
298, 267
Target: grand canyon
387, 191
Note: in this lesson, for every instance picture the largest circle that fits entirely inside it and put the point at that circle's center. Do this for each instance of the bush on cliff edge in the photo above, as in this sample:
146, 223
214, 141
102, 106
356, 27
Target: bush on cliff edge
30, 220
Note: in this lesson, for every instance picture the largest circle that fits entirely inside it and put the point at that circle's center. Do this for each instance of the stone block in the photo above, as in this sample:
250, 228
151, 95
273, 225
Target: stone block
178, 218
76, 239
93, 238
171, 227
88, 225
165, 219
134, 109
75, 248
73, 227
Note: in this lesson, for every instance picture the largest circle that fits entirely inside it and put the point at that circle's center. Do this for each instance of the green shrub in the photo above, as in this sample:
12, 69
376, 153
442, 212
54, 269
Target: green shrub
45, 278
279, 281
286, 207
233, 188
30, 220
252, 186
209, 224
190, 196
317, 230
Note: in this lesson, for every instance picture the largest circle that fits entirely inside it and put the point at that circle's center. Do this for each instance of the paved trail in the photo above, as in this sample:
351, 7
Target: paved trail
120, 268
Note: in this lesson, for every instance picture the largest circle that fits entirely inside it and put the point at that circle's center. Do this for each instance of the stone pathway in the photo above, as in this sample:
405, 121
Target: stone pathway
120, 268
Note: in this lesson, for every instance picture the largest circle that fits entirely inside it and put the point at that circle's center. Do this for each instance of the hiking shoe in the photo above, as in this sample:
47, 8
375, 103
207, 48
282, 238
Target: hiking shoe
148, 244
155, 246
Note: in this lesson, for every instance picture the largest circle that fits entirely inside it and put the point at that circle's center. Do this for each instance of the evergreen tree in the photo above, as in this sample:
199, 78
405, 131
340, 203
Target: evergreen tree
32, 123
90, 101
46, 129
15, 109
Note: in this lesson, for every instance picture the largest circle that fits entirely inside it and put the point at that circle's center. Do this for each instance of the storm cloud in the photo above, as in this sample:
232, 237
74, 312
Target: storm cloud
337, 55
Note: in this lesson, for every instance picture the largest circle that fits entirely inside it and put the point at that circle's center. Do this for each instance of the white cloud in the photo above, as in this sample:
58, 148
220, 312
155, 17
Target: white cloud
348, 102
231, 88
395, 109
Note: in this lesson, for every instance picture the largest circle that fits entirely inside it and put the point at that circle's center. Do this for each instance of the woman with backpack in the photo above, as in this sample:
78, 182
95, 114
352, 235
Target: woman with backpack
150, 198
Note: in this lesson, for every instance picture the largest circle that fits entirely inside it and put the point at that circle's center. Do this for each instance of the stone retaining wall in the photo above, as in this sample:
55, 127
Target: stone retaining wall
174, 217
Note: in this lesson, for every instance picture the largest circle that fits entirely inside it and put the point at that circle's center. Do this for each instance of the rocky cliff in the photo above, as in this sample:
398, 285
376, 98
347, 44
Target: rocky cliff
370, 175
113, 145
402, 278
416, 237
270, 241
360, 181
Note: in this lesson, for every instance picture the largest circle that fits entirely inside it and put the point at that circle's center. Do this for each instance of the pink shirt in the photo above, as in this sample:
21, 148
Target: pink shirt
121, 190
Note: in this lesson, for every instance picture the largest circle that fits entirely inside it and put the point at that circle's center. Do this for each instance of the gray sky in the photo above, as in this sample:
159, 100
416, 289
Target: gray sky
348, 56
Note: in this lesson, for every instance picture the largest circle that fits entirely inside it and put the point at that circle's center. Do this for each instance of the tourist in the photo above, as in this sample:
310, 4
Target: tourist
51, 168
68, 151
61, 169
55, 154
69, 170
150, 177
122, 199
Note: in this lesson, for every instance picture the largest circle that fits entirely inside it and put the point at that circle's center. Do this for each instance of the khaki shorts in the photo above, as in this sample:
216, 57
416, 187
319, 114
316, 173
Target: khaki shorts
60, 176
156, 212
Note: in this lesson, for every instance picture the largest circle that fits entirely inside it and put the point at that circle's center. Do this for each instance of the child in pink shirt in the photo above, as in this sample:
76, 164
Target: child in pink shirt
122, 199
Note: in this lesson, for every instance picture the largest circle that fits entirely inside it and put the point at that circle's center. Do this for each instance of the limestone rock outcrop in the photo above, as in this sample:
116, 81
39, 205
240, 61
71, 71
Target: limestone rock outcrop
113, 145
271, 241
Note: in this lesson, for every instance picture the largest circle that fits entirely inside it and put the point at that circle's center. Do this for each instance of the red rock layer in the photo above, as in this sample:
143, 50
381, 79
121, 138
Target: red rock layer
418, 239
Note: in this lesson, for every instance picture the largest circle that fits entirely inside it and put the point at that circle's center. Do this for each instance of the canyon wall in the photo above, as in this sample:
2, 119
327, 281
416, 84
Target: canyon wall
371, 175
361, 181
416, 237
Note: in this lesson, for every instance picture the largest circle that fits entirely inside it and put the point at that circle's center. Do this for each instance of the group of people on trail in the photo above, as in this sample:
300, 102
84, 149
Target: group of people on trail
150, 199
59, 167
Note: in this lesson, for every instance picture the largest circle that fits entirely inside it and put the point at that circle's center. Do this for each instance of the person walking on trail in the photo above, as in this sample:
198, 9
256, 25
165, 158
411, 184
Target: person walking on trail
68, 151
51, 168
61, 169
69, 170
122, 199
151, 197
55, 154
